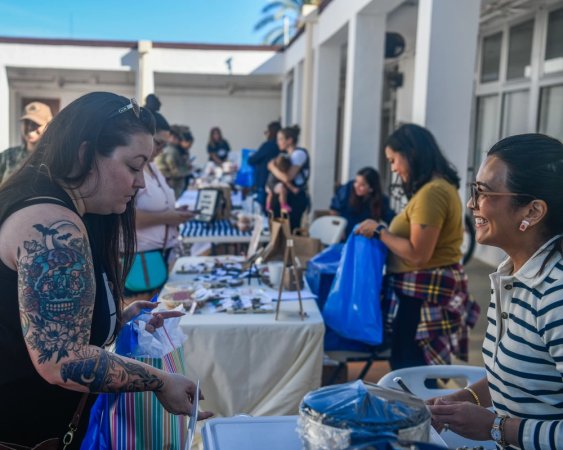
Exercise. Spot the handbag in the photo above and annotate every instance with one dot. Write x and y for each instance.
(149, 270)
(54, 443)
(137, 420)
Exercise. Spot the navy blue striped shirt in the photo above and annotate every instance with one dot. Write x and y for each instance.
(523, 347)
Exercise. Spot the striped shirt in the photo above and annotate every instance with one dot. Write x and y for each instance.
(523, 348)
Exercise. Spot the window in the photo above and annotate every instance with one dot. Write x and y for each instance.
(554, 42)
(520, 50)
(490, 59)
(515, 107)
(551, 111)
(488, 114)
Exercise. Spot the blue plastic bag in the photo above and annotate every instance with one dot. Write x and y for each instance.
(245, 174)
(353, 306)
(321, 270)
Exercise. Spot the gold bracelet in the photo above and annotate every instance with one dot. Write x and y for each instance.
(473, 394)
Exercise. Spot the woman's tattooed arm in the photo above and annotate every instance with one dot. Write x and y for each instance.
(57, 292)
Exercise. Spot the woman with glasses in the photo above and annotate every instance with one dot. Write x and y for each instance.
(426, 300)
(66, 219)
(517, 205)
(156, 218)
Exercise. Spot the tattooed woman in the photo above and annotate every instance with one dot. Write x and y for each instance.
(65, 216)
(426, 298)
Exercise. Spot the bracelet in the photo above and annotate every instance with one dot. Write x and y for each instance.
(502, 442)
(473, 394)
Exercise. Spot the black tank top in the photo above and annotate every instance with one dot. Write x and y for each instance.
(31, 409)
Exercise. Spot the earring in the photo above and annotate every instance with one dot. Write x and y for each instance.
(524, 225)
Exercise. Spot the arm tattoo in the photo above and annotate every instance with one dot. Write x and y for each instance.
(103, 371)
(56, 290)
(57, 294)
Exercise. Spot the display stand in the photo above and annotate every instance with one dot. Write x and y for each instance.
(289, 268)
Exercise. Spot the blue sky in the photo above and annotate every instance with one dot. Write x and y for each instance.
(203, 21)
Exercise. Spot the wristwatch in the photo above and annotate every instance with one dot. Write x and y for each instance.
(497, 431)
(379, 229)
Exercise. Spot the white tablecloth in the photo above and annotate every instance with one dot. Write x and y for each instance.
(251, 363)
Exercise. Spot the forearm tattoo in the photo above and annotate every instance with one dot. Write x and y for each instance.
(57, 293)
(103, 371)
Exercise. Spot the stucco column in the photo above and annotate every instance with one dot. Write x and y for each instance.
(297, 94)
(446, 46)
(324, 125)
(308, 73)
(364, 81)
(145, 71)
(4, 109)
(284, 105)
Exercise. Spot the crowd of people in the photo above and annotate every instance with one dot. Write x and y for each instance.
(96, 184)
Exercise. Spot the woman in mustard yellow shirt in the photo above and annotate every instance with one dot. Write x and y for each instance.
(426, 302)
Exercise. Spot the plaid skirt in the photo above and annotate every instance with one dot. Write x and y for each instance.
(446, 314)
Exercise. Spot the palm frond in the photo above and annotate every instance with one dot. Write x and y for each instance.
(264, 21)
(274, 35)
(272, 5)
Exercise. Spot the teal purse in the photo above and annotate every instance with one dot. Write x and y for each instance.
(148, 272)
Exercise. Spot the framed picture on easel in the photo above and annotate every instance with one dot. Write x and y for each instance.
(206, 205)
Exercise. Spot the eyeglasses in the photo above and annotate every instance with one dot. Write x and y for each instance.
(477, 192)
(133, 104)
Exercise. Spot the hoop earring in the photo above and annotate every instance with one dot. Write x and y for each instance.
(524, 225)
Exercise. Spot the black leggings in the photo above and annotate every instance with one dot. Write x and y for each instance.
(405, 351)
(299, 203)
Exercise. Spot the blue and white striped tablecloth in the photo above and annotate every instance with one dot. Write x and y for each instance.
(217, 228)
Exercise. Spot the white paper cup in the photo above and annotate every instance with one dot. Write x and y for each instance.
(275, 269)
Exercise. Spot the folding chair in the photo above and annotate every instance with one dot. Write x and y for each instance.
(328, 229)
(415, 378)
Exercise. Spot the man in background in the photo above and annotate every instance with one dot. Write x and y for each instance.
(259, 160)
(35, 118)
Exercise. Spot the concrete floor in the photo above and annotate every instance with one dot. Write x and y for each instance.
(479, 287)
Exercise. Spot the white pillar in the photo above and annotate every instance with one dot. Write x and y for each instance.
(324, 125)
(297, 94)
(446, 46)
(307, 100)
(364, 82)
(4, 110)
(284, 105)
(145, 71)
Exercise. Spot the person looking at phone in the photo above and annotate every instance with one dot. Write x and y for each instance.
(157, 219)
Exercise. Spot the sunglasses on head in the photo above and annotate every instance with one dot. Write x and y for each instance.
(132, 105)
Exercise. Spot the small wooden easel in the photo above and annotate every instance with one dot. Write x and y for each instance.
(289, 267)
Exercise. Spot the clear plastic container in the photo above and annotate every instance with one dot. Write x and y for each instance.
(353, 414)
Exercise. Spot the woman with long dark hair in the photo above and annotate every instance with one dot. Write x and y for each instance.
(66, 219)
(517, 205)
(361, 199)
(426, 299)
(217, 147)
(297, 175)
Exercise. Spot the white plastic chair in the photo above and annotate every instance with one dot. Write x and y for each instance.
(328, 229)
(415, 377)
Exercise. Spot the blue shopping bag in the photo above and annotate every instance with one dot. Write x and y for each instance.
(245, 174)
(353, 307)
